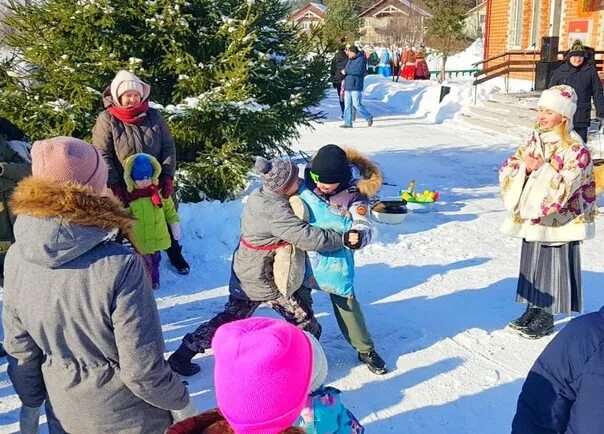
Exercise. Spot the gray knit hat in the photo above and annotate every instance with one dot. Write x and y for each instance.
(278, 175)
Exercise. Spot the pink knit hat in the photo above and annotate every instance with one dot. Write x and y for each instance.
(67, 159)
(262, 374)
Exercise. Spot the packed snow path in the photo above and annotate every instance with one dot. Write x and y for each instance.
(437, 290)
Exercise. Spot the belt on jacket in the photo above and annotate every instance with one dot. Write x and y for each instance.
(268, 247)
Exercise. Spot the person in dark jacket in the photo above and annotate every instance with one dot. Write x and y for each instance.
(564, 390)
(129, 126)
(338, 63)
(583, 77)
(354, 81)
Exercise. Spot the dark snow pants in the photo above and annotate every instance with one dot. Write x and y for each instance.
(296, 310)
(352, 324)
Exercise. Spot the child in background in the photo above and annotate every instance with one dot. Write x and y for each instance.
(268, 223)
(324, 412)
(345, 179)
(152, 211)
(548, 186)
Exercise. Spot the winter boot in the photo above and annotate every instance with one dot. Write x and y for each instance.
(180, 361)
(541, 325)
(374, 362)
(524, 320)
(177, 260)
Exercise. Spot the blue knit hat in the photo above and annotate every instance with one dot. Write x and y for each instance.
(142, 168)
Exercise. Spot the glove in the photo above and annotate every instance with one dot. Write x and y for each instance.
(349, 244)
(189, 411)
(166, 185)
(175, 228)
(119, 191)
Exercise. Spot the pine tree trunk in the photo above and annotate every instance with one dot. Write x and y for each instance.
(441, 77)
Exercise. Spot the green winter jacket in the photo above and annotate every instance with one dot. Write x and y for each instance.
(150, 229)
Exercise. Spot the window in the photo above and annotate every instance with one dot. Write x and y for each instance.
(536, 24)
(515, 35)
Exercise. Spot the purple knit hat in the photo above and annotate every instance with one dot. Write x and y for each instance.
(278, 175)
(67, 159)
(262, 374)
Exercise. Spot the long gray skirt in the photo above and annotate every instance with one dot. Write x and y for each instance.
(550, 277)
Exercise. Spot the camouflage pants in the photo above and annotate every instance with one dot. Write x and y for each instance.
(296, 310)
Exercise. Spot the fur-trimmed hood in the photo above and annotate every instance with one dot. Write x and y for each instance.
(57, 223)
(371, 179)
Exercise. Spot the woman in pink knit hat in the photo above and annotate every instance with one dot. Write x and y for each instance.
(81, 325)
(273, 361)
(129, 126)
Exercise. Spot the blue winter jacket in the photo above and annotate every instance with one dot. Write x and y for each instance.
(324, 413)
(564, 390)
(355, 73)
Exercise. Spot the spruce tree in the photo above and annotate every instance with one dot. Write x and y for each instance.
(233, 78)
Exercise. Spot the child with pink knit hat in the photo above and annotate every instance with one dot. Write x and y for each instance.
(263, 374)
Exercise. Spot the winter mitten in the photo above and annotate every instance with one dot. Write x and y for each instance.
(166, 185)
(175, 228)
(347, 242)
(189, 411)
(119, 191)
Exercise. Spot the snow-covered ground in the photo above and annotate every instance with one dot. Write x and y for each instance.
(437, 290)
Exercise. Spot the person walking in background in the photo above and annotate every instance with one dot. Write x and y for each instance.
(564, 390)
(88, 339)
(129, 126)
(408, 63)
(354, 82)
(583, 77)
(338, 63)
(549, 187)
(422, 72)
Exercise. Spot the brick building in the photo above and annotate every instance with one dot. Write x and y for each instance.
(519, 25)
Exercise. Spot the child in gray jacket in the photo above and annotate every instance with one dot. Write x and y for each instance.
(268, 223)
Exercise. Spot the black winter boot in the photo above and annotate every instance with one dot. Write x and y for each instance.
(177, 260)
(374, 362)
(541, 325)
(524, 320)
(180, 361)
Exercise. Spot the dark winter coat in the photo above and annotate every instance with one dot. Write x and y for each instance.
(338, 63)
(212, 422)
(117, 141)
(80, 320)
(13, 168)
(586, 83)
(356, 69)
(268, 220)
(564, 390)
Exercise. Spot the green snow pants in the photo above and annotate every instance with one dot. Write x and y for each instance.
(352, 323)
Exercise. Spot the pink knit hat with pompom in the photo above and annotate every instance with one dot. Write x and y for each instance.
(262, 375)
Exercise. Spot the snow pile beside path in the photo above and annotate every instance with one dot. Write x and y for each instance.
(460, 61)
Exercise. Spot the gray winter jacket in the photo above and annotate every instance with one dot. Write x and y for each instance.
(81, 324)
(117, 141)
(266, 221)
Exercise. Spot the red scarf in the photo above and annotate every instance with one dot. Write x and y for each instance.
(131, 115)
(152, 191)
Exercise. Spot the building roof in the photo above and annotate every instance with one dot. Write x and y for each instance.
(316, 9)
(381, 4)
